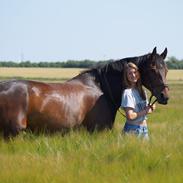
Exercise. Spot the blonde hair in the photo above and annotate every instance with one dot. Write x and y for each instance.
(128, 84)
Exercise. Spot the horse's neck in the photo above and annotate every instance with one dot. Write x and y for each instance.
(112, 74)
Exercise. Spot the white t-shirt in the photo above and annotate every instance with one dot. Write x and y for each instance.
(131, 98)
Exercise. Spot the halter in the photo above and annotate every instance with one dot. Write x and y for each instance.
(151, 104)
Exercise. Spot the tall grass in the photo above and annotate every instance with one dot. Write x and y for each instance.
(101, 157)
(107, 156)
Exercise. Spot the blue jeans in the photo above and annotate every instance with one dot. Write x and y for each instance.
(139, 131)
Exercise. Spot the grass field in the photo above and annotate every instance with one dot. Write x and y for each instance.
(61, 73)
(104, 157)
(50, 74)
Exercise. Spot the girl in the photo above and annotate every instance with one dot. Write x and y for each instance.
(134, 103)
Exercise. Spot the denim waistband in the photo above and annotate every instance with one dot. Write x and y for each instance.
(129, 127)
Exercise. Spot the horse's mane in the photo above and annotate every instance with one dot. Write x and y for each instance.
(117, 64)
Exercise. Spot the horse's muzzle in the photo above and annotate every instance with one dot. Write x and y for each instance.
(163, 97)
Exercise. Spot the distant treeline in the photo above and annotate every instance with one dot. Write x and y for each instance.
(172, 63)
(61, 64)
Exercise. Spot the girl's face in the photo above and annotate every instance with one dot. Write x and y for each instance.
(132, 75)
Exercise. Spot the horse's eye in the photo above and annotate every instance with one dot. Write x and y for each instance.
(153, 66)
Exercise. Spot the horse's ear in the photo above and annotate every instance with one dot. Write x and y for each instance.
(164, 53)
(154, 51)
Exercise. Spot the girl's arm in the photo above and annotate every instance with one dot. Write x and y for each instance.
(131, 114)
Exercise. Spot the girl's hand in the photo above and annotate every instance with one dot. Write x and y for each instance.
(153, 107)
(150, 108)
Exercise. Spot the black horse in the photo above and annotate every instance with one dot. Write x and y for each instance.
(91, 99)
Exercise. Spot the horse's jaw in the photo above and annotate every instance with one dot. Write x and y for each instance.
(163, 102)
(162, 99)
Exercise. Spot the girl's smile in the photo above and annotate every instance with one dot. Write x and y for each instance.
(132, 75)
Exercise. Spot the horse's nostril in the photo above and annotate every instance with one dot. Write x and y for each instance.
(164, 98)
(162, 95)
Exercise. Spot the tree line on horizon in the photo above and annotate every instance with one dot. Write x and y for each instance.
(172, 63)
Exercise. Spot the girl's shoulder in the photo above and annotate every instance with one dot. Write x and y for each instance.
(127, 91)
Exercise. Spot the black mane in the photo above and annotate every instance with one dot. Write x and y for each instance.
(109, 76)
(117, 65)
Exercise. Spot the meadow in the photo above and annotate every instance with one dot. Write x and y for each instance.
(45, 74)
(101, 157)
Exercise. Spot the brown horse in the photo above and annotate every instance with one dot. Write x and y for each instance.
(91, 99)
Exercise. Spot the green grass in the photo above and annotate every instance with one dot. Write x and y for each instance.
(104, 157)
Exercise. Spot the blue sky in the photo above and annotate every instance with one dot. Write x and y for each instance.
(59, 30)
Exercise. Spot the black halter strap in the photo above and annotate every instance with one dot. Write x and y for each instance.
(150, 104)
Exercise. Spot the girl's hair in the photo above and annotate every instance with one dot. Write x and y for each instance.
(128, 84)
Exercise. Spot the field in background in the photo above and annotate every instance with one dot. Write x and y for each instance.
(175, 76)
(39, 73)
(61, 73)
(103, 157)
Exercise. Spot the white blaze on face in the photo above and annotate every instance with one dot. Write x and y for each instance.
(36, 91)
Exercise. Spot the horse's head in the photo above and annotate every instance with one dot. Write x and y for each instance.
(153, 74)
